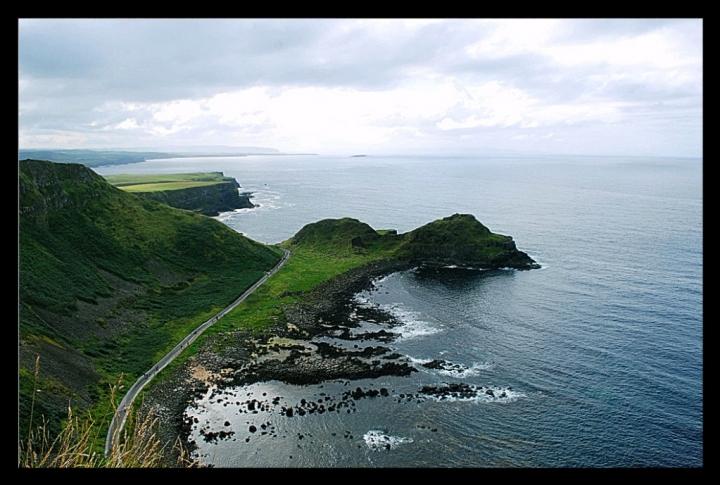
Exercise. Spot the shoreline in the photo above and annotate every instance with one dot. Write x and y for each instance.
(243, 360)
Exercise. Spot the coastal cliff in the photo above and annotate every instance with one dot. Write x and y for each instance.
(207, 193)
(208, 200)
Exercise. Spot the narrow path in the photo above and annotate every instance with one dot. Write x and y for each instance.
(118, 420)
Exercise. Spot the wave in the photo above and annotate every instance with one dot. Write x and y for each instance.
(378, 440)
(412, 325)
(468, 393)
(451, 369)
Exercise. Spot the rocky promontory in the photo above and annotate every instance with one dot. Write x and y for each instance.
(206, 193)
(208, 200)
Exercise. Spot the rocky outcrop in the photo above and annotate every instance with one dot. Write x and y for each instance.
(209, 200)
(46, 187)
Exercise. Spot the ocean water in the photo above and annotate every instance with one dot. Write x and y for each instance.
(595, 360)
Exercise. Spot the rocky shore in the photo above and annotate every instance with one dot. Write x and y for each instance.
(285, 352)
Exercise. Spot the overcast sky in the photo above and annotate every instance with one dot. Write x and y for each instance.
(605, 87)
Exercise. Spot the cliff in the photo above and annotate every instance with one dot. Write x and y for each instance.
(209, 200)
(207, 193)
(46, 187)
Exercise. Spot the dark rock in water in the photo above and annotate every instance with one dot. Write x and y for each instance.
(455, 390)
(434, 364)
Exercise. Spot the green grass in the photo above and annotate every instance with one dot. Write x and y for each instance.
(78, 442)
(75, 226)
(161, 186)
(157, 182)
(319, 254)
(305, 269)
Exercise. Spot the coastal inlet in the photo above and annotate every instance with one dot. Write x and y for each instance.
(356, 390)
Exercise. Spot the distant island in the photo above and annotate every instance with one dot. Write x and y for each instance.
(208, 193)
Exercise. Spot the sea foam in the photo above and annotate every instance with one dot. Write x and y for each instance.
(379, 441)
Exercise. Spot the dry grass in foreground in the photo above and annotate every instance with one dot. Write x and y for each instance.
(75, 446)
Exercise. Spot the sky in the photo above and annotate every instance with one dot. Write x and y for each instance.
(628, 87)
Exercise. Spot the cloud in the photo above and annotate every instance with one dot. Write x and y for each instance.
(312, 84)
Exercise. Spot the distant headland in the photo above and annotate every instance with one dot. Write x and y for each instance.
(97, 158)
(208, 193)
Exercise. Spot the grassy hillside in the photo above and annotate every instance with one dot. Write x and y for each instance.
(110, 281)
(331, 247)
(459, 239)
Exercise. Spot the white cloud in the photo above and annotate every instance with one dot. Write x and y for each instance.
(128, 124)
(312, 84)
(654, 50)
(510, 37)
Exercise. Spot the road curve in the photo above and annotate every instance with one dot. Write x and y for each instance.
(118, 420)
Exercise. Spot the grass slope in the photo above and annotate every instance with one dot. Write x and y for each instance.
(110, 281)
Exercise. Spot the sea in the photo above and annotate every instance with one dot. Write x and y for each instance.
(594, 360)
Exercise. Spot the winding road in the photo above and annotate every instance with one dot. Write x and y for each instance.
(118, 420)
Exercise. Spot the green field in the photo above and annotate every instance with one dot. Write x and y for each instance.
(158, 182)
